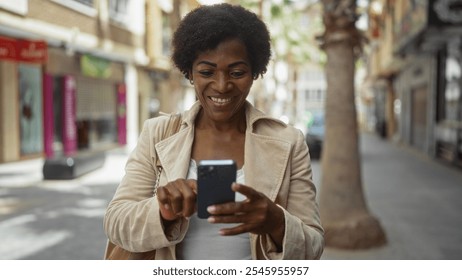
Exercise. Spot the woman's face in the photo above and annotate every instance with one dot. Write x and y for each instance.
(222, 80)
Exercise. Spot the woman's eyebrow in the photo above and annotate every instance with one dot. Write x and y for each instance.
(207, 63)
(215, 65)
(238, 63)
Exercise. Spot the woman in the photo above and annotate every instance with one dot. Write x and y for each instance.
(221, 49)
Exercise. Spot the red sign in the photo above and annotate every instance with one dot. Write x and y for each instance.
(7, 48)
(23, 50)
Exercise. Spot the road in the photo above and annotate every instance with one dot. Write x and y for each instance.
(58, 220)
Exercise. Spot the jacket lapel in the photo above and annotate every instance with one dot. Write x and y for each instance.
(265, 157)
(175, 152)
(265, 163)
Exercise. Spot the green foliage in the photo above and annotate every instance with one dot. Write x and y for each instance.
(276, 11)
(293, 29)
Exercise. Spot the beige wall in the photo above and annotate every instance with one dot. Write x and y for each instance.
(9, 117)
(62, 16)
(66, 17)
(145, 87)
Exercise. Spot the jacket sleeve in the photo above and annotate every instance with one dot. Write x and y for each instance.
(304, 235)
(132, 219)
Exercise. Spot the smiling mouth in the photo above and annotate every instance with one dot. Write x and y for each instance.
(220, 101)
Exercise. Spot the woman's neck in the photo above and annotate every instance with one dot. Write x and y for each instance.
(237, 123)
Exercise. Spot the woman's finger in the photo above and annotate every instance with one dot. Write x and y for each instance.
(164, 204)
(249, 192)
(189, 200)
(242, 228)
(175, 198)
(162, 197)
(179, 196)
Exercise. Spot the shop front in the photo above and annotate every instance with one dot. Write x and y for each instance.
(85, 101)
(88, 101)
(21, 94)
(445, 19)
(449, 116)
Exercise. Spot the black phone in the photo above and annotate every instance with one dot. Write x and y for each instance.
(214, 180)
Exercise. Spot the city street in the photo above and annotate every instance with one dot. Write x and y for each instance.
(56, 219)
(415, 198)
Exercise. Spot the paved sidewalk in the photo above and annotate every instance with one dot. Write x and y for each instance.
(416, 199)
(29, 173)
(22, 173)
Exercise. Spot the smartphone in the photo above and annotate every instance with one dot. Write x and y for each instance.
(214, 180)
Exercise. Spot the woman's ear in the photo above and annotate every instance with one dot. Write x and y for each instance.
(190, 77)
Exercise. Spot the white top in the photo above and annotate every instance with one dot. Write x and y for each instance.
(203, 241)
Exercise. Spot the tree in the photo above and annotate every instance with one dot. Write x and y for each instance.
(292, 47)
(344, 213)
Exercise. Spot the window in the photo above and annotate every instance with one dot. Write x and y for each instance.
(89, 3)
(86, 7)
(166, 33)
(30, 110)
(452, 82)
(118, 10)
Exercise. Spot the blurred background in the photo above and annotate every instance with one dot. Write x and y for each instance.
(79, 77)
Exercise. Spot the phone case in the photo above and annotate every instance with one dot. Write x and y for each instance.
(214, 179)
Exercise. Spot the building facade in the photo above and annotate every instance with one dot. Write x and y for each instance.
(416, 67)
(82, 75)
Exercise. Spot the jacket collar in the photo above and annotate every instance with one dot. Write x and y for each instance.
(252, 115)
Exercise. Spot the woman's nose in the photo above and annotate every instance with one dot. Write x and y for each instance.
(223, 83)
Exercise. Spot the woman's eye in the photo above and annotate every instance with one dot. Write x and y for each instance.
(237, 74)
(206, 73)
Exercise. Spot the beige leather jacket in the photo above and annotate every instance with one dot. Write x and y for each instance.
(277, 164)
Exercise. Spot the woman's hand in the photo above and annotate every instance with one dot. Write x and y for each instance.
(177, 199)
(257, 214)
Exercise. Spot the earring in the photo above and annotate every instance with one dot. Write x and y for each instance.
(191, 82)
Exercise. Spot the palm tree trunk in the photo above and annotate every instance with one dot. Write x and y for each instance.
(346, 219)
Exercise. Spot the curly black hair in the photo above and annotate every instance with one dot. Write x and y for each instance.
(205, 27)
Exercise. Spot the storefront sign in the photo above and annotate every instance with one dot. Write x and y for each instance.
(69, 119)
(7, 48)
(95, 67)
(23, 50)
(32, 51)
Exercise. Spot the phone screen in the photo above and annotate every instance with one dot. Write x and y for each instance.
(214, 179)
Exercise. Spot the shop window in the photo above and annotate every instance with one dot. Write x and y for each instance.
(452, 93)
(451, 147)
(30, 110)
(96, 113)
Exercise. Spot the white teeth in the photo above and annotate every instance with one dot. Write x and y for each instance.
(220, 100)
